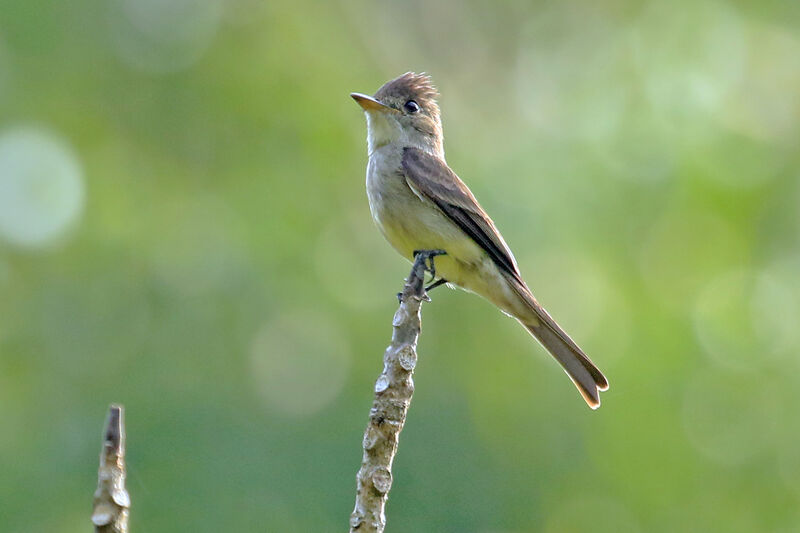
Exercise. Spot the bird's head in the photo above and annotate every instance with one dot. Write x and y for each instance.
(404, 110)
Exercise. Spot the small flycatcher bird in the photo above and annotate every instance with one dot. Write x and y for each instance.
(420, 204)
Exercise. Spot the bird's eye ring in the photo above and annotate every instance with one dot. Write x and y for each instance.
(411, 106)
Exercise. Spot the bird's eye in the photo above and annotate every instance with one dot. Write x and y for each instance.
(411, 106)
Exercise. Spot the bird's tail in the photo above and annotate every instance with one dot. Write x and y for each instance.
(580, 369)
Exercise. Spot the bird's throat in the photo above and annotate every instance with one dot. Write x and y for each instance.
(381, 130)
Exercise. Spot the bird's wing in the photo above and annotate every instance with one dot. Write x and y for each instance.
(430, 177)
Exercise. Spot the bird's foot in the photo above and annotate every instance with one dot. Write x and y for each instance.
(427, 257)
(423, 262)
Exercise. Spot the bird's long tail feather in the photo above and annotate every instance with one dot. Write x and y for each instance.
(584, 374)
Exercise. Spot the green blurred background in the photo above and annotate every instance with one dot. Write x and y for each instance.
(184, 230)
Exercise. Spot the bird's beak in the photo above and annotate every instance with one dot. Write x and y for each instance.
(368, 103)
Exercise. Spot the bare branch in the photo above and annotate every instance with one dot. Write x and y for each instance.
(111, 500)
(393, 391)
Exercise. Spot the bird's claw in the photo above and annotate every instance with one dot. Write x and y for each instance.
(428, 256)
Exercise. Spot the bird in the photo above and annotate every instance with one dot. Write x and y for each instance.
(420, 204)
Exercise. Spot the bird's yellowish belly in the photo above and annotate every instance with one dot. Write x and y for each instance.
(410, 223)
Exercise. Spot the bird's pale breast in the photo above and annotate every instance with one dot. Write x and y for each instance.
(411, 223)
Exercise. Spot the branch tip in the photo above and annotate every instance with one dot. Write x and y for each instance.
(111, 499)
(114, 434)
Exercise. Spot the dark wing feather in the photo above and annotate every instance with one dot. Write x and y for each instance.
(431, 177)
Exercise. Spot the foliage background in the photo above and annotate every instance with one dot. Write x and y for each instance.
(184, 230)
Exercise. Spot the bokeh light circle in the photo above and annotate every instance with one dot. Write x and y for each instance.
(775, 312)
(299, 362)
(159, 37)
(727, 419)
(684, 249)
(766, 106)
(746, 320)
(690, 59)
(42, 191)
(567, 73)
